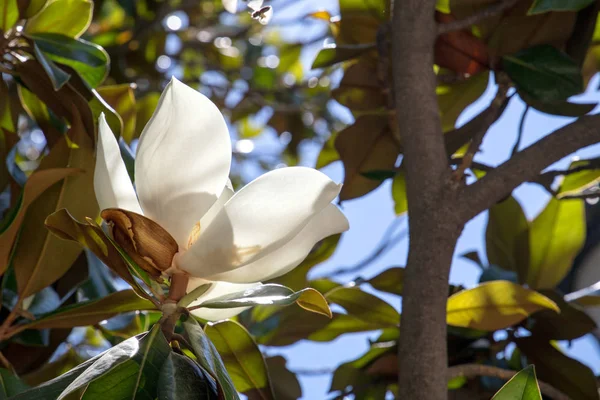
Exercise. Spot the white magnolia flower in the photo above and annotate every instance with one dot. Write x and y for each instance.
(234, 240)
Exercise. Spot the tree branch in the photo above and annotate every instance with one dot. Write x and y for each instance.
(487, 12)
(432, 199)
(474, 370)
(528, 163)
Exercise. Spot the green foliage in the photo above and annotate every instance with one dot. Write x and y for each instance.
(522, 386)
(544, 73)
(542, 6)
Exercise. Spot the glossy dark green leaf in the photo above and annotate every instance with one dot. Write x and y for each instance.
(543, 6)
(364, 306)
(506, 236)
(9, 14)
(563, 108)
(56, 75)
(242, 357)
(566, 374)
(209, 358)
(522, 386)
(10, 385)
(137, 377)
(272, 294)
(545, 73)
(391, 280)
(333, 55)
(379, 174)
(182, 379)
(104, 362)
(89, 60)
(571, 323)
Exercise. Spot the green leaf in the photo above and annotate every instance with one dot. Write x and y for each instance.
(10, 385)
(364, 306)
(454, 97)
(242, 358)
(495, 305)
(571, 323)
(56, 75)
(271, 294)
(506, 236)
(285, 383)
(563, 108)
(522, 386)
(65, 17)
(137, 377)
(89, 60)
(85, 372)
(9, 14)
(91, 312)
(577, 182)
(182, 379)
(543, 6)
(556, 236)
(545, 73)
(36, 184)
(391, 280)
(34, 7)
(379, 174)
(328, 153)
(122, 99)
(399, 193)
(566, 374)
(333, 55)
(209, 358)
(340, 324)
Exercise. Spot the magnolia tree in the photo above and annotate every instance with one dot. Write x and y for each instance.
(162, 275)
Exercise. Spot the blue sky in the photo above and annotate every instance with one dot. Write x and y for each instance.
(370, 216)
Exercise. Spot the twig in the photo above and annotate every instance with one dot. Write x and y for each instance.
(487, 12)
(4, 361)
(499, 103)
(520, 134)
(528, 163)
(474, 370)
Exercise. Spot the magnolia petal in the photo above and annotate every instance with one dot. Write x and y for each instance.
(328, 222)
(210, 214)
(183, 160)
(262, 216)
(112, 185)
(217, 289)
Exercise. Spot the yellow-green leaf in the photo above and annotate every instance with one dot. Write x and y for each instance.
(556, 236)
(399, 193)
(242, 357)
(121, 98)
(9, 14)
(364, 306)
(506, 236)
(577, 182)
(495, 305)
(312, 300)
(454, 97)
(67, 17)
(328, 153)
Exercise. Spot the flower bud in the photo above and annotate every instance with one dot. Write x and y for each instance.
(145, 241)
